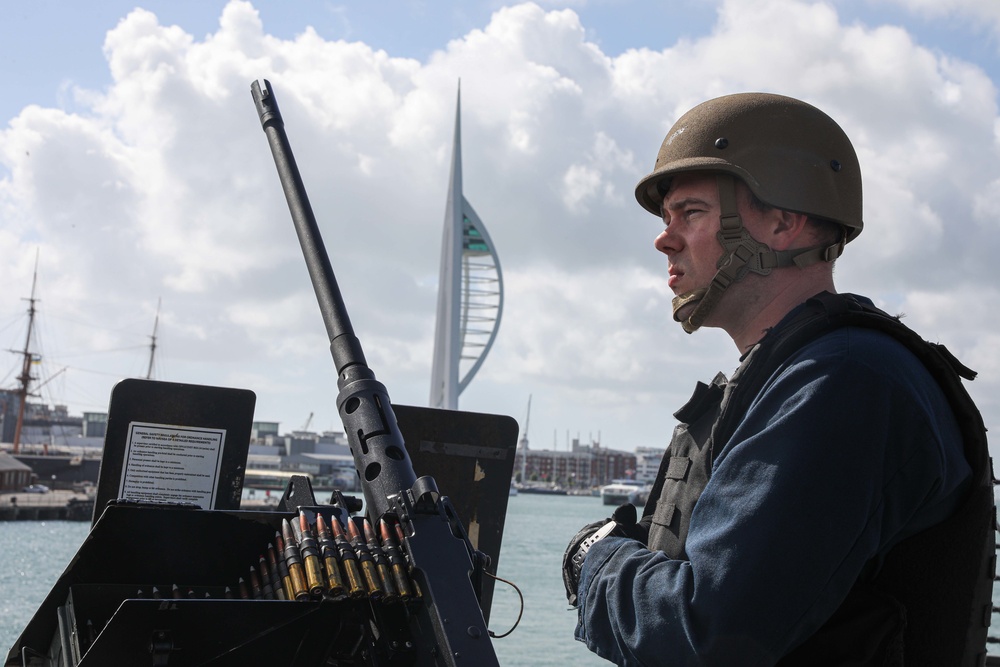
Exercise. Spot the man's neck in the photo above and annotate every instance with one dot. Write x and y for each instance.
(771, 309)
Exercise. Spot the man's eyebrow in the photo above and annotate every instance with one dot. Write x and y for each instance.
(687, 201)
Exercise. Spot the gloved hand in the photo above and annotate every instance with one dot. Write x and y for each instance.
(620, 524)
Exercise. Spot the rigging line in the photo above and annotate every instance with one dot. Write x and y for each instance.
(124, 327)
(17, 320)
(105, 351)
(51, 378)
(86, 397)
(90, 370)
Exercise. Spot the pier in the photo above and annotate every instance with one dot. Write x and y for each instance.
(56, 505)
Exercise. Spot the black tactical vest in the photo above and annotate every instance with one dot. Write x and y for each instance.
(930, 602)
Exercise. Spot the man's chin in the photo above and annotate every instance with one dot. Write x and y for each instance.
(684, 304)
(684, 312)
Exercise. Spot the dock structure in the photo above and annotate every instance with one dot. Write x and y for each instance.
(56, 505)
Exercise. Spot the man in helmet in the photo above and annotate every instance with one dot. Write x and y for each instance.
(830, 504)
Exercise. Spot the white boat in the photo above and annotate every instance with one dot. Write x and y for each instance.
(621, 491)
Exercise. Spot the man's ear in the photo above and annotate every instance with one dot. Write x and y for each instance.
(786, 229)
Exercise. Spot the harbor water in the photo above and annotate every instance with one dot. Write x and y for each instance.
(537, 530)
(536, 533)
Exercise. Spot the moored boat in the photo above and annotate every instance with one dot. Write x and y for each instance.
(621, 491)
(544, 489)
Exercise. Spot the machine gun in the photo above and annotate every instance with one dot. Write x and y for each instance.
(154, 583)
(443, 562)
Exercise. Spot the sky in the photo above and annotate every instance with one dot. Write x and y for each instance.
(133, 169)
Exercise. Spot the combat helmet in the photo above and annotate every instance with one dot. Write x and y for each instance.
(790, 154)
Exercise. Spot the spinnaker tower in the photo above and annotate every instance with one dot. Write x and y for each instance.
(470, 290)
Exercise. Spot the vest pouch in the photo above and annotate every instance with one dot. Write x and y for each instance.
(684, 471)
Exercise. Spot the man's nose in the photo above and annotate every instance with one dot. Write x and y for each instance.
(666, 242)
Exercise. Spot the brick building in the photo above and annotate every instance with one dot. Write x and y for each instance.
(581, 466)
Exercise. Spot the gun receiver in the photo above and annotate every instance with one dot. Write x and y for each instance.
(441, 554)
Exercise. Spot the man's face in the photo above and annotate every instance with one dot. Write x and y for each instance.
(691, 221)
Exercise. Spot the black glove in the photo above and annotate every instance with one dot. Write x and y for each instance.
(620, 524)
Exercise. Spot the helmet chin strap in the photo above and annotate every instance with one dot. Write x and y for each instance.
(741, 254)
(693, 322)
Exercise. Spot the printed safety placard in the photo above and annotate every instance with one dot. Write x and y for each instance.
(172, 464)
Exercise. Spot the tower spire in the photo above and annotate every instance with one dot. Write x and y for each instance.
(470, 289)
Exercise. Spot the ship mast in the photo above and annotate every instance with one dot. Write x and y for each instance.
(25, 377)
(152, 342)
(523, 444)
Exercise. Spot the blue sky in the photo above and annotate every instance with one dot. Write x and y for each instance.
(50, 42)
(128, 148)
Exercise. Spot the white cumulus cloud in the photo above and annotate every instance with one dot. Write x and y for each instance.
(161, 186)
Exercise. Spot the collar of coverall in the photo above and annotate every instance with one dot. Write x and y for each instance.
(742, 254)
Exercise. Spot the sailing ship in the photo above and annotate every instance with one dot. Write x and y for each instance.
(60, 448)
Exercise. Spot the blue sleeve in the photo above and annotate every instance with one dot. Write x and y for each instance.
(849, 448)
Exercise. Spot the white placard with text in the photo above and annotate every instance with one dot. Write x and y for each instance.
(172, 464)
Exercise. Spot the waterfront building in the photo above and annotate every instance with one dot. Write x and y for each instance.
(325, 457)
(579, 467)
(261, 430)
(14, 475)
(50, 425)
(647, 463)
(95, 424)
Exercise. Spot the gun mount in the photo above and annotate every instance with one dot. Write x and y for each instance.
(154, 581)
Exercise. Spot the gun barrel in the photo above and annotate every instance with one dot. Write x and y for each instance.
(380, 454)
(331, 302)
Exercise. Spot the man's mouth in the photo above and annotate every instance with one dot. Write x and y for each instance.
(674, 277)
